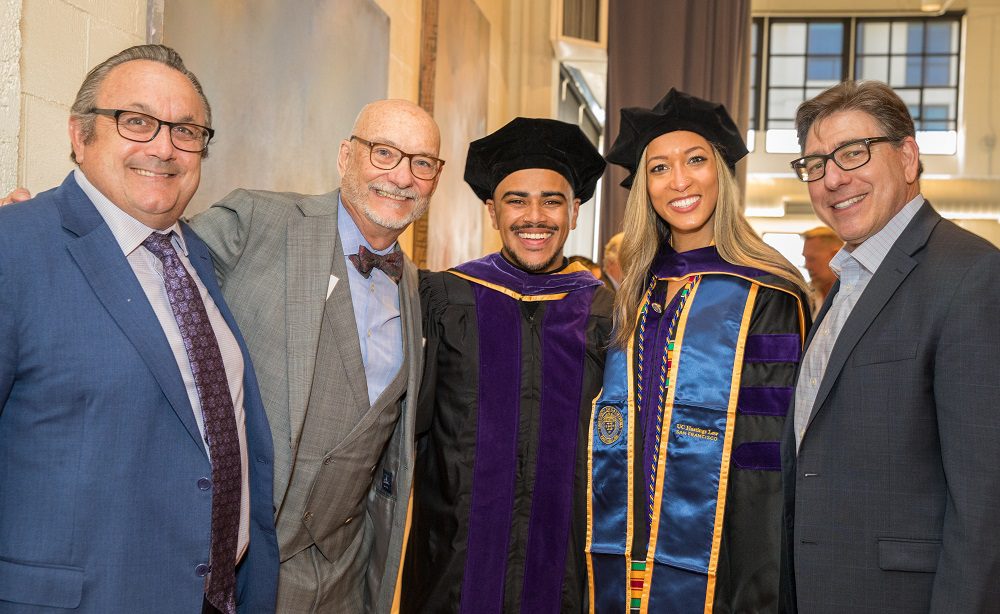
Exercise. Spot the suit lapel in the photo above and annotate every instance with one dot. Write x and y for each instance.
(313, 255)
(106, 269)
(898, 264)
(413, 340)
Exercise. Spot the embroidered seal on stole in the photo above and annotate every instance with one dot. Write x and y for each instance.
(609, 424)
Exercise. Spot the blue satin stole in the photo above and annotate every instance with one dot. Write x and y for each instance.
(693, 458)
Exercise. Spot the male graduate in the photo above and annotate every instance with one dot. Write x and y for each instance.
(515, 354)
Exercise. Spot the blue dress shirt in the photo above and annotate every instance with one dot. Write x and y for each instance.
(376, 310)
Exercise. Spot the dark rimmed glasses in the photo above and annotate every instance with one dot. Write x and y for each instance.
(387, 157)
(143, 128)
(848, 157)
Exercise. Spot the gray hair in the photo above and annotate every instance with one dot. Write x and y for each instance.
(871, 97)
(86, 97)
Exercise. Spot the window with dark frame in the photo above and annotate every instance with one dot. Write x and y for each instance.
(756, 41)
(793, 59)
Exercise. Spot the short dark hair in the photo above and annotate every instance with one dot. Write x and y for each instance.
(86, 97)
(872, 97)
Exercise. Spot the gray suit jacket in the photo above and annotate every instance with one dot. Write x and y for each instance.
(275, 254)
(891, 504)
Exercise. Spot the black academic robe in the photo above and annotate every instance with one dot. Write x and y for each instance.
(447, 443)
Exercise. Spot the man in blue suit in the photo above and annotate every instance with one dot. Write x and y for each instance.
(135, 455)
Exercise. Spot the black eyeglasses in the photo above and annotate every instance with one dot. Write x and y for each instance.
(143, 128)
(387, 157)
(848, 157)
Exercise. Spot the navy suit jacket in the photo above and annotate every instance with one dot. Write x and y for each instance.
(100, 455)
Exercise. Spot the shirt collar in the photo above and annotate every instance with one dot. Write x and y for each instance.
(350, 235)
(128, 231)
(875, 248)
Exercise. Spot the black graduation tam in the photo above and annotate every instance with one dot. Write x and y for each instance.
(677, 111)
(534, 143)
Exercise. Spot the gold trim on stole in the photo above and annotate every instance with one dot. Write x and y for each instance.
(573, 267)
(590, 503)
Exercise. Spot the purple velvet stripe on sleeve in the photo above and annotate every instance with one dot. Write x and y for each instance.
(773, 348)
(564, 351)
(758, 456)
(491, 506)
(764, 401)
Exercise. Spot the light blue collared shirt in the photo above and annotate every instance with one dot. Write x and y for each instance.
(855, 269)
(376, 310)
(129, 234)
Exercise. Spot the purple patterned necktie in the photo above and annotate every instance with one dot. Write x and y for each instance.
(366, 260)
(220, 420)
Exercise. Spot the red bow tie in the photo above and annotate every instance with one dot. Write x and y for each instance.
(391, 263)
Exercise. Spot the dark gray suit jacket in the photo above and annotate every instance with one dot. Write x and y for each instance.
(892, 503)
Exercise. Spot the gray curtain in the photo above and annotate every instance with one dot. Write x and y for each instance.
(701, 47)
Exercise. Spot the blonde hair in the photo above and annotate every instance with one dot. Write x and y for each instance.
(645, 232)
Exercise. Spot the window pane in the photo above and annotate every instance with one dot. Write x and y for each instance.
(899, 36)
(940, 104)
(873, 37)
(937, 142)
(826, 38)
(939, 95)
(823, 71)
(876, 67)
(782, 105)
(941, 70)
(912, 100)
(897, 71)
(788, 38)
(782, 141)
(942, 37)
(915, 37)
(787, 71)
(935, 118)
(914, 71)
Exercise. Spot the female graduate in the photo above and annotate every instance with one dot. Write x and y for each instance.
(685, 497)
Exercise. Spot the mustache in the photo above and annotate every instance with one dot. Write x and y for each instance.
(534, 226)
(391, 189)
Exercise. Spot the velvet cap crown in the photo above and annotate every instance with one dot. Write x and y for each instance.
(534, 143)
(676, 111)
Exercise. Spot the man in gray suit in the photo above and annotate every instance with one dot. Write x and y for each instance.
(312, 281)
(891, 477)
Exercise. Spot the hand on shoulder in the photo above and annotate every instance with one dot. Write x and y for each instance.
(17, 195)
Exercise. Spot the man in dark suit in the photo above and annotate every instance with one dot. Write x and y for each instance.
(892, 483)
(135, 455)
